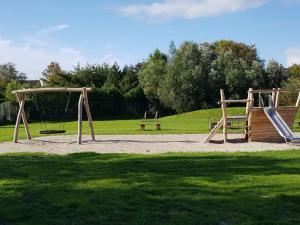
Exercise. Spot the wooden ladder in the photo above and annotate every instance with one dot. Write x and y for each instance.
(214, 130)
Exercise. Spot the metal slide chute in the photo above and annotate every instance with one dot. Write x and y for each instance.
(280, 125)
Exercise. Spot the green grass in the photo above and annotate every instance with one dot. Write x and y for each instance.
(192, 122)
(170, 189)
(188, 123)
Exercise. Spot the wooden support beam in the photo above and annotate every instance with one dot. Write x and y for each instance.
(265, 91)
(274, 95)
(79, 137)
(45, 90)
(235, 101)
(223, 105)
(298, 100)
(214, 130)
(88, 113)
(249, 113)
(16, 131)
(277, 97)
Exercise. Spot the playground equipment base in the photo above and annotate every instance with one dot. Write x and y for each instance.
(142, 144)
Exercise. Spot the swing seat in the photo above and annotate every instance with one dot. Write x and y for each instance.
(52, 131)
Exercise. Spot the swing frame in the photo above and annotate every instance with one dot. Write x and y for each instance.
(83, 100)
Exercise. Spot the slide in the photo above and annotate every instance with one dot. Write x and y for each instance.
(280, 125)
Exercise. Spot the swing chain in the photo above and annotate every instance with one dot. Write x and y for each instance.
(62, 125)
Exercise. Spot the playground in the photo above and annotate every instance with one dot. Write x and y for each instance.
(265, 126)
(157, 176)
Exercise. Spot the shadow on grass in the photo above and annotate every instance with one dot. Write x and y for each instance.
(88, 188)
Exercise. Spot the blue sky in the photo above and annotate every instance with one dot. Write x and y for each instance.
(35, 32)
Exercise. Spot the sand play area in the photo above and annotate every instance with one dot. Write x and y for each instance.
(143, 144)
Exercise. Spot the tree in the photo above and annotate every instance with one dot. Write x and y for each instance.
(294, 70)
(248, 53)
(11, 86)
(8, 73)
(233, 74)
(130, 78)
(53, 75)
(276, 74)
(151, 76)
(186, 86)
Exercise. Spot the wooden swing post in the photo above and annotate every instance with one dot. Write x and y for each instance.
(223, 106)
(83, 100)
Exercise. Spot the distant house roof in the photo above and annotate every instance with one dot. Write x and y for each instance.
(33, 82)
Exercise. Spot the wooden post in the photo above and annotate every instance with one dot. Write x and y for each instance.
(16, 131)
(247, 115)
(88, 112)
(274, 96)
(79, 138)
(298, 100)
(223, 105)
(23, 114)
(277, 98)
(250, 106)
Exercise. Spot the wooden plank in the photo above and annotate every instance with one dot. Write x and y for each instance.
(88, 113)
(236, 118)
(265, 91)
(235, 101)
(79, 138)
(44, 90)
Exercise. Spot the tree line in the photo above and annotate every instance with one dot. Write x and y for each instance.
(186, 78)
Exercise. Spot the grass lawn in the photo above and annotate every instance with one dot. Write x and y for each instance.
(192, 122)
(184, 189)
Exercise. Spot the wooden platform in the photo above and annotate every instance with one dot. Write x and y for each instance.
(262, 129)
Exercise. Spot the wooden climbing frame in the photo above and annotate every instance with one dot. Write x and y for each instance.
(258, 127)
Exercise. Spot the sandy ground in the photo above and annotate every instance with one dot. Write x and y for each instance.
(144, 144)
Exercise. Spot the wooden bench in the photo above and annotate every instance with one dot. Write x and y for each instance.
(143, 125)
(150, 122)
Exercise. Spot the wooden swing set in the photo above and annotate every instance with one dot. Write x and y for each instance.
(83, 100)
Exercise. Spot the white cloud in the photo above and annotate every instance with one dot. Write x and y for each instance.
(36, 51)
(33, 60)
(4, 42)
(49, 30)
(292, 56)
(109, 46)
(187, 9)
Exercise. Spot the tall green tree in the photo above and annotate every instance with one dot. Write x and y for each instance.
(248, 53)
(276, 74)
(151, 76)
(8, 73)
(294, 70)
(53, 75)
(186, 85)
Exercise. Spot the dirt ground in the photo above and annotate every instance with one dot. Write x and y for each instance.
(141, 144)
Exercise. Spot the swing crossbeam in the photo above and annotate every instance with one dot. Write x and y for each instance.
(44, 90)
(83, 101)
